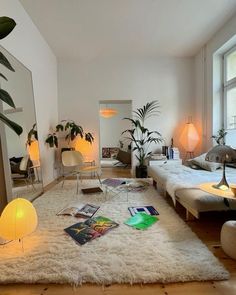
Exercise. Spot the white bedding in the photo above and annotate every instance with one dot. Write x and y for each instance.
(180, 177)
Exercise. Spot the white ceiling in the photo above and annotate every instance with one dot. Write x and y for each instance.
(86, 29)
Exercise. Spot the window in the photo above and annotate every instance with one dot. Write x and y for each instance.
(230, 89)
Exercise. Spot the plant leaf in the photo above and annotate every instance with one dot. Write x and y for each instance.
(36, 134)
(4, 61)
(55, 141)
(14, 126)
(1, 75)
(67, 125)
(7, 24)
(89, 137)
(59, 127)
(5, 96)
(148, 110)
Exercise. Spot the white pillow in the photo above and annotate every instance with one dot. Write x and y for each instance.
(206, 165)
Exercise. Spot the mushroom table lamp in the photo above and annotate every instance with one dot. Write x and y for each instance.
(18, 219)
(222, 154)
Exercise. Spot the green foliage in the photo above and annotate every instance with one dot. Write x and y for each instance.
(52, 140)
(220, 136)
(32, 135)
(140, 136)
(6, 26)
(73, 130)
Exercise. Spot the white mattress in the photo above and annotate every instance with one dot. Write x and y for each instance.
(182, 182)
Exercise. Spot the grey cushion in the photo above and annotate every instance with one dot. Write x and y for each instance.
(206, 165)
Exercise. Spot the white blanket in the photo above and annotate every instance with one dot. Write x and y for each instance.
(180, 177)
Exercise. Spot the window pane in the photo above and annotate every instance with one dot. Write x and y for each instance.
(231, 66)
(231, 108)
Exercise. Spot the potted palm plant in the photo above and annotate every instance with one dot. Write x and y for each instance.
(141, 137)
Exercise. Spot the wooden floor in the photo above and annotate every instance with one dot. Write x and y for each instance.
(207, 229)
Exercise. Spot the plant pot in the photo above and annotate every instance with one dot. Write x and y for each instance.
(141, 171)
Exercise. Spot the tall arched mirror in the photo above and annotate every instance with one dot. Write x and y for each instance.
(23, 154)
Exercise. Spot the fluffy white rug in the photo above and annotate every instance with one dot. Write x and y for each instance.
(167, 252)
(27, 192)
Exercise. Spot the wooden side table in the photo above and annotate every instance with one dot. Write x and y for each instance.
(227, 236)
(208, 187)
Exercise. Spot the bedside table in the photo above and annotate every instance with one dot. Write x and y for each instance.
(154, 162)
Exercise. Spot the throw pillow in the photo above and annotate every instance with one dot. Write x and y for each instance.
(201, 162)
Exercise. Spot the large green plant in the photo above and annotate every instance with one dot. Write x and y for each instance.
(6, 26)
(73, 130)
(140, 136)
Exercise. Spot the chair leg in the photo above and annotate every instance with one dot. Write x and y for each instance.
(32, 183)
(99, 178)
(77, 186)
(26, 182)
(63, 181)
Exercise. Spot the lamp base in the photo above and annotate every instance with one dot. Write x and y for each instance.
(189, 155)
(222, 185)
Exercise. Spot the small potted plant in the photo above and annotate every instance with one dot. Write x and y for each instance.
(141, 137)
(220, 136)
(73, 130)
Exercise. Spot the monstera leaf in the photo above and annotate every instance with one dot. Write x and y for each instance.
(6, 26)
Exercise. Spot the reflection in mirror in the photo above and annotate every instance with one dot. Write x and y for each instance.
(23, 152)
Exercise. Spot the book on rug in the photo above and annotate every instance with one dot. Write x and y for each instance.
(150, 210)
(91, 190)
(79, 210)
(113, 182)
(92, 228)
(141, 221)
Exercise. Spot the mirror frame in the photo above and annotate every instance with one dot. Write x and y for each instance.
(3, 142)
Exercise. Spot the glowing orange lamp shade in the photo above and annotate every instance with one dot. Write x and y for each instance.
(108, 113)
(18, 219)
(189, 137)
(33, 150)
(82, 146)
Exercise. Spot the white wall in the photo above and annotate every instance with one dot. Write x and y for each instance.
(27, 45)
(170, 80)
(208, 91)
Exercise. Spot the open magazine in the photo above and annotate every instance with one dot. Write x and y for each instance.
(79, 210)
(150, 210)
(92, 228)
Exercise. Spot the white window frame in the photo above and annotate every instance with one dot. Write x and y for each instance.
(227, 85)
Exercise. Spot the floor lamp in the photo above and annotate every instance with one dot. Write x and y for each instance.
(189, 138)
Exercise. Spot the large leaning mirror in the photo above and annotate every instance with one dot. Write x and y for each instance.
(23, 155)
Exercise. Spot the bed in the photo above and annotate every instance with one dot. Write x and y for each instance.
(181, 184)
